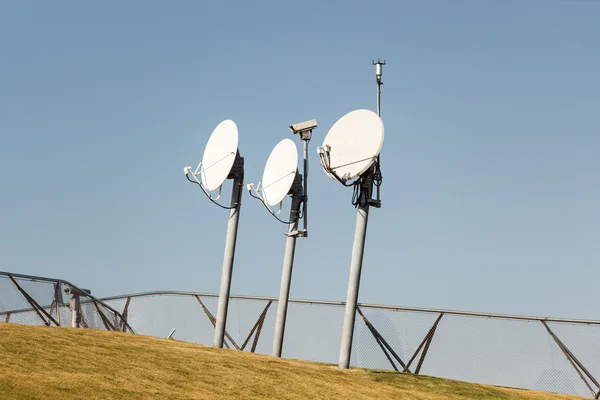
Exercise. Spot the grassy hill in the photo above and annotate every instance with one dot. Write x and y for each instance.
(64, 363)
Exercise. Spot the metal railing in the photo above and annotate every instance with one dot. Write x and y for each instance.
(548, 354)
(36, 300)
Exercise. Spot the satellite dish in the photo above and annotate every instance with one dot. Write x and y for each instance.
(352, 144)
(219, 155)
(280, 172)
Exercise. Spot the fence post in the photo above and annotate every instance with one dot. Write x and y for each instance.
(75, 306)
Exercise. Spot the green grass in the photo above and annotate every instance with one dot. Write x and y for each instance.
(64, 363)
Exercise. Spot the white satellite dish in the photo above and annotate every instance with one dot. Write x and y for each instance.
(352, 144)
(280, 172)
(219, 155)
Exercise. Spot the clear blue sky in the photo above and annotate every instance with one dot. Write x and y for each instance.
(491, 199)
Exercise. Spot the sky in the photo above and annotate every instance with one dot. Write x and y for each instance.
(490, 162)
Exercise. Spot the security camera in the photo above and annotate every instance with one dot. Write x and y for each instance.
(304, 128)
(77, 292)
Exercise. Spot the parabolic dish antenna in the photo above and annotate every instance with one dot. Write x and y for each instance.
(219, 155)
(280, 172)
(354, 142)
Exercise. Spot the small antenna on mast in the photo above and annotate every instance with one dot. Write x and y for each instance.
(378, 73)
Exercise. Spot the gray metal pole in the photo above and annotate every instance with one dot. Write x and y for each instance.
(232, 226)
(358, 249)
(286, 276)
(59, 301)
(75, 307)
(305, 190)
(378, 98)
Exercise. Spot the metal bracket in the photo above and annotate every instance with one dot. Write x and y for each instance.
(237, 171)
(306, 135)
(375, 203)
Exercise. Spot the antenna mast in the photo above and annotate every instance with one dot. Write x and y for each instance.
(377, 175)
(378, 74)
(372, 177)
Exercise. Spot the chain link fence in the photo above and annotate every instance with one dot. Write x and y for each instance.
(553, 355)
(546, 354)
(35, 300)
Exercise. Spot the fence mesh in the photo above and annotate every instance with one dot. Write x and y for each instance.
(552, 355)
(53, 302)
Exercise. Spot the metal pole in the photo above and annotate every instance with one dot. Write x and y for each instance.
(286, 276)
(59, 301)
(74, 304)
(232, 226)
(305, 189)
(379, 98)
(358, 249)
